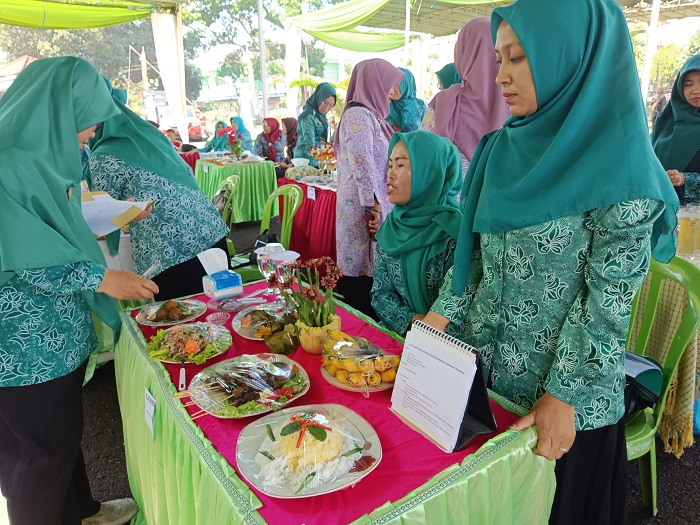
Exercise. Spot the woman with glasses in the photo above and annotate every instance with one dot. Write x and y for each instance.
(312, 126)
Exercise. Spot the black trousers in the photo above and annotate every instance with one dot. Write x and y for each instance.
(356, 292)
(42, 469)
(592, 479)
(184, 278)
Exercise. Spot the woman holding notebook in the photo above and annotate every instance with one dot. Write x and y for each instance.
(562, 209)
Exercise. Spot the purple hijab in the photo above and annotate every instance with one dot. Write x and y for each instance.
(467, 111)
(370, 82)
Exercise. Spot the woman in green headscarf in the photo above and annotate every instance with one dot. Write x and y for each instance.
(416, 243)
(676, 134)
(132, 159)
(52, 280)
(448, 76)
(312, 127)
(405, 110)
(562, 209)
(219, 140)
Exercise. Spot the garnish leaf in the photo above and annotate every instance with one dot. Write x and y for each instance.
(305, 483)
(267, 455)
(270, 433)
(292, 427)
(352, 452)
(319, 433)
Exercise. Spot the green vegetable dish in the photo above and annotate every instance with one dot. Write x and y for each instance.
(193, 343)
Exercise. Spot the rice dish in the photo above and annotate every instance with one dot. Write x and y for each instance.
(300, 459)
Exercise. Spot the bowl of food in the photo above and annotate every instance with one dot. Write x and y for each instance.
(298, 163)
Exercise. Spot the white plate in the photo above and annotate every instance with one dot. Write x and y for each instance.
(197, 309)
(356, 429)
(249, 333)
(352, 388)
(210, 405)
(220, 338)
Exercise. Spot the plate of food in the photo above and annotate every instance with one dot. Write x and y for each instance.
(259, 321)
(191, 343)
(249, 385)
(307, 451)
(168, 313)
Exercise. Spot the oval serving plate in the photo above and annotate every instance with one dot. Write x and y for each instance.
(351, 388)
(194, 310)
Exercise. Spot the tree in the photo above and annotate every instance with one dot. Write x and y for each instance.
(694, 44)
(666, 63)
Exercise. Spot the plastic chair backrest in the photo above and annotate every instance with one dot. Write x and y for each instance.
(231, 185)
(292, 196)
(688, 277)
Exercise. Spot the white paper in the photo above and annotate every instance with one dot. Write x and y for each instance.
(432, 387)
(311, 193)
(150, 405)
(214, 260)
(100, 211)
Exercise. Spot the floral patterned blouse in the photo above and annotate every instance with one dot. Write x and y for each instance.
(548, 307)
(311, 131)
(183, 222)
(388, 290)
(262, 147)
(46, 328)
(692, 188)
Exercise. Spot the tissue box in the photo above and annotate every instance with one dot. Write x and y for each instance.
(222, 285)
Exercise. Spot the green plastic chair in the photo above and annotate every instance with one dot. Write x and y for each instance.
(291, 202)
(229, 184)
(641, 427)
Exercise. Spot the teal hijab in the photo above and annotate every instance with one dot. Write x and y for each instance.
(408, 109)
(420, 229)
(219, 143)
(134, 140)
(240, 124)
(586, 146)
(676, 134)
(322, 92)
(448, 76)
(39, 225)
(117, 94)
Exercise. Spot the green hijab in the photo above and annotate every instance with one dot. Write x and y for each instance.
(676, 134)
(449, 75)
(39, 226)
(136, 141)
(586, 146)
(420, 229)
(408, 109)
(322, 92)
(219, 143)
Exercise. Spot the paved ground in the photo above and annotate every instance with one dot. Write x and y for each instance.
(678, 480)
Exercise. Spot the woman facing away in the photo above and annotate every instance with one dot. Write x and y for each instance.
(132, 159)
(406, 110)
(465, 112)
(52, 280)
(561, 213)
(416, 243)
(361, 146)
(313, 122)
(676, 133)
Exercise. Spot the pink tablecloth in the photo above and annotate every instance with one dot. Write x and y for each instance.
(409, 460)
(313, 233)
(190, 159)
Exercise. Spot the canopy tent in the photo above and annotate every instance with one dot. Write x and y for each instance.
(77, 14)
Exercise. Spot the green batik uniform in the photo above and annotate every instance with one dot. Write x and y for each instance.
(416, 243)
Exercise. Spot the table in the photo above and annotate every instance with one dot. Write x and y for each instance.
(182, 473)
(313, 233)
(258, 181)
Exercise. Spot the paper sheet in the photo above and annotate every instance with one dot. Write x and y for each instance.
(104, 214)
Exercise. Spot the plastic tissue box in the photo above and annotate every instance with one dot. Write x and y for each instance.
(222, 285)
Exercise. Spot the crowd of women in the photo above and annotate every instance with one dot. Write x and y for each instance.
(518, 211)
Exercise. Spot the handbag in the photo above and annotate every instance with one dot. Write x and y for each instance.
(643, 380)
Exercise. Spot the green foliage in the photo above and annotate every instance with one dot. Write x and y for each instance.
(666, 63)
(694, 45)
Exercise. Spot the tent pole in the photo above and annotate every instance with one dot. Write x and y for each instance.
(408, 23)
(263, 57)
(651, 48)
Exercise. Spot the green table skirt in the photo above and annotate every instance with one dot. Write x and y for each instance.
(178, 478)
(258, 181)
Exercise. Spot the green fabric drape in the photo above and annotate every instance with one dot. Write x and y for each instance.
(357, 41)
(39, 225)
(60, 15)
(676, 134)
(420, 229)
(585, 147)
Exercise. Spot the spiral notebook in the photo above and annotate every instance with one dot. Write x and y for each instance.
(440, 390)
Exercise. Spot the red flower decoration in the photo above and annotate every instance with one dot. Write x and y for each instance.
(312, 294)
(334, 271)
(328, 282)
(273, 280)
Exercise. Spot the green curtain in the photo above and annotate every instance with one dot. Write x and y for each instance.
(356, 41)
(60, 15)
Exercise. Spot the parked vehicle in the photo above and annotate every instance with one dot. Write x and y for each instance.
(196, 123)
